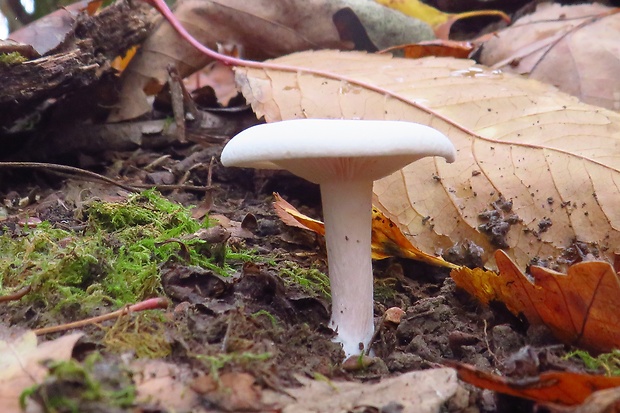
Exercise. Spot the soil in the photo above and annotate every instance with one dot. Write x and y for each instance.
(256, 311)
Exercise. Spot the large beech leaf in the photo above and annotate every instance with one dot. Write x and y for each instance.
(536, 170)
(579, 307)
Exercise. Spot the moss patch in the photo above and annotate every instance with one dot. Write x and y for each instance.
(115, 260)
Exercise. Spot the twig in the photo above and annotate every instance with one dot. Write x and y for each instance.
(70, 170)
(52, 167)
(150, 304)
(16, 295)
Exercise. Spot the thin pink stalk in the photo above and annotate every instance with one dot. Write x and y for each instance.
(150, 304)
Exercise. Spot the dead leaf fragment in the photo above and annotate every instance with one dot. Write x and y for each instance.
(563, 388)
(440, 22)
(414, 392)
(164, 386)
(387, 239)
(581, 39)
(21, 362)
(580, 307)
(231, 392)
(260, 29)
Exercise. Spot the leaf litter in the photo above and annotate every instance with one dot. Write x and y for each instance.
(248, 315)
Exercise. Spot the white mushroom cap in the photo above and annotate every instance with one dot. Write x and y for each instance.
(377, 147)
(344, 157)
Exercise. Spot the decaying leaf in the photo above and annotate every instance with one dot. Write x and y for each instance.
(580, 307)
(231, 392)
(564, 388)
(260, 29)
(414, 392)
(536, 170)
(21, 363)
(438, 48)
(387, 239)
(440, 22)
(164, 386)
(580, 40)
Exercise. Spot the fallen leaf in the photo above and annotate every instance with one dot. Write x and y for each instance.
(563, 388)
(440, 22)
(261, 29)
(581, 39)
(515, 139)
(21, 362)
(164, 386)
(580, 307)
(231, 391)
(387, 239)
(413, 392)
(438, 48)
(51, 31)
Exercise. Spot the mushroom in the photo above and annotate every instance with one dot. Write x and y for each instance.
(344, 157)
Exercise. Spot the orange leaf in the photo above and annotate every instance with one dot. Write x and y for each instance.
(293, 218)
(438, 48)
(387, 239)
(552, 387)
(580, 307)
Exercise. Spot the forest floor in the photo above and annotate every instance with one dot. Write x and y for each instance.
(256, 320)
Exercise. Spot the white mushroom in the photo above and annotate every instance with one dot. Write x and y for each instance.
(344, 157)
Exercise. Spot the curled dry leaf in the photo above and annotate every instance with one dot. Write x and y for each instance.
(387, 239)
(535, 170)
(572, 47)
(580, 307)
(562, 388)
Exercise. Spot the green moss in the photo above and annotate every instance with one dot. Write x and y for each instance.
(72, 386)
(385, 289)
(117, 259)
(217, 362)
(609, 362)
(311, 280)
(143, 334)
(13, 58)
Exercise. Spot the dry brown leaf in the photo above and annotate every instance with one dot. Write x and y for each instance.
(387, 240)
(580, 307)
(262, 29)
(564, 388)
(417, 392)
(535, 170)
(50, 31)
(20, 363)
(572, 47)
(165, 386)
(231, 392)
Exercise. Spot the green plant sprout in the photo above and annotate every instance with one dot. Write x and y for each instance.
(271, 317)
(609, 362)
(13, 58)
(219, 361)
(310, 280)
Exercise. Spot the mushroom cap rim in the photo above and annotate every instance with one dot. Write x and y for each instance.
(262, 146)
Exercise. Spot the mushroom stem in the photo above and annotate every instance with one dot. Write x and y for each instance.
(347, 211)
